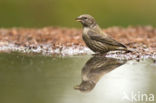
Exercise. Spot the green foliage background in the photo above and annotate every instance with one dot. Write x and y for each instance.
(39, 13)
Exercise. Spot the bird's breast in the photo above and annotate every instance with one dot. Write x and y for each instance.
(85, 30)
(85, 36)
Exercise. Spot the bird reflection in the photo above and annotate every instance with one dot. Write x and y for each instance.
(94, 69)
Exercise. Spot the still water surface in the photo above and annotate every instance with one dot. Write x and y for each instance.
(76, 79)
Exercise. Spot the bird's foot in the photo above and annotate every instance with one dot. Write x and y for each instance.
(100, 54)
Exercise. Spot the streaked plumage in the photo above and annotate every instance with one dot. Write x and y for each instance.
(95, 38)
(94, 69)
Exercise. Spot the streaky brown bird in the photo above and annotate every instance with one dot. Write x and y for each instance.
(97, 40)
(94, 69)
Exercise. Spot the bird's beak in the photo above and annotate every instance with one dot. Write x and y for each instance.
(78, 19)
(77, 87)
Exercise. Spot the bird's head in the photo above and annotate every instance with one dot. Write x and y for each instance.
(86, 20)
(85, 86)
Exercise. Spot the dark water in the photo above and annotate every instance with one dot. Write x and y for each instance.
(77, 79)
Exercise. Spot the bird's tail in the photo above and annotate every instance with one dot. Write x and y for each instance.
(128, 50)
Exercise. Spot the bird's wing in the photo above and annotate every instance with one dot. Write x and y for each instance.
(103, 39)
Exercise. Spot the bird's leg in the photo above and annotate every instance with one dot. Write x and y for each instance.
(100, 54)
(104, 54)
(96, 54)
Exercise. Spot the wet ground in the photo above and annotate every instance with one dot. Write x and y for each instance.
(74, 79)
(68, 41)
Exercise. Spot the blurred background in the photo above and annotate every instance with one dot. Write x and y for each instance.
(40, 13)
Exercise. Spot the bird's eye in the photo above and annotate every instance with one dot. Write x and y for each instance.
(85, 18)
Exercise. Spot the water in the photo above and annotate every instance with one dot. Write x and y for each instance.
(85, 79)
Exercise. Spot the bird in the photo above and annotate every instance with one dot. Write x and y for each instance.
(97, 40)
(94, 69)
